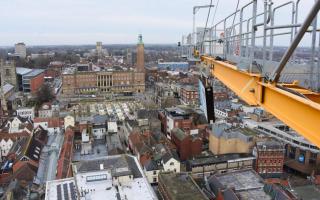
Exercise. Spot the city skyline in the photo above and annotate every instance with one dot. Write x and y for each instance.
(113, 22)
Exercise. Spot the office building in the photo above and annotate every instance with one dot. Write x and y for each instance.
(20, 50)
(29, 80)
(99, 48)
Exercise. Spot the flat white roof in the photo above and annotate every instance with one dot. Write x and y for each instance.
(94, 180)
(22, 70)
(52, 188)
(137, 189)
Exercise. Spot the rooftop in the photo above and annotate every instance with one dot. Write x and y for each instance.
(228, 132)
(189, 87)
(97, 179)
(181, 186)
(208, 160)
(61, 188)
(7, 88)
(108, 163)
(34, 72)
(22, 70)
(270, 144)
(246, 183)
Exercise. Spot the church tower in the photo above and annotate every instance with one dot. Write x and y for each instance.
(8, 71)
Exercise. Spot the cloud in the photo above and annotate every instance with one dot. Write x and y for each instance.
(112, 21)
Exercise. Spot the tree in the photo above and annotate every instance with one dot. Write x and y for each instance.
(44, 94)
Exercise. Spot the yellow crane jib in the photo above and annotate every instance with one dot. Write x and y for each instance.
(296, 106)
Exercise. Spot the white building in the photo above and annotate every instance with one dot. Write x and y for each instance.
(99, 126)
(20, 50)
(69, 121)
(112, 127)
(17, 125)
(117, 177)
(52, 125)
(5, 146)
(45, 111)
(171, 162)
(86, 144)
(26, 112)
(168, 162)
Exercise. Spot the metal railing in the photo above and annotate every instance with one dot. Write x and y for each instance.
(238, 41)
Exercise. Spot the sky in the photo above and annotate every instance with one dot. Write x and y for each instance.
(72, 22)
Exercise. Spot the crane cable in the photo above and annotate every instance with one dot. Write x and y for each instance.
(235, 14)
(214, 14)
(205, 28)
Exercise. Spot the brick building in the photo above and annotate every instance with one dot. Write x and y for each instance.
(82, 79)
(269, 158)
(116, 79)
(301, 156)
(189, 94)
(188, 119)
(140, 55)
(187, 145)
(29, 80)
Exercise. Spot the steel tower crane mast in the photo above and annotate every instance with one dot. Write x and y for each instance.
(295, 105)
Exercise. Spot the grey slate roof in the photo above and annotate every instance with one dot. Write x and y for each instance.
(99, 119)
(110, 163)
(170, 154)
(151, 165)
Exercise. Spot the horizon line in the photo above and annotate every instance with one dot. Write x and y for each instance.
(39, 45)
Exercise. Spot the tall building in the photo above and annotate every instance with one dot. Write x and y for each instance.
(140, 54)
(129, 59)
(20, 50)
(99, 48)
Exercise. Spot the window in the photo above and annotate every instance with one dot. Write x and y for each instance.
(8, 72)
(154, 180)
(154, 172)
(172, 163)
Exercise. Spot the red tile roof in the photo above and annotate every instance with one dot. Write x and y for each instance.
(64, 162)
(13, 136)
(52, 122)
